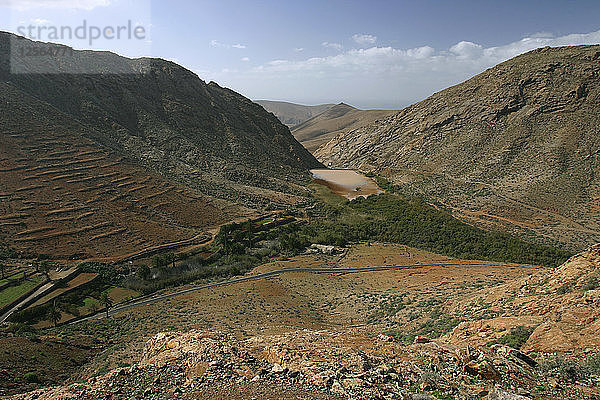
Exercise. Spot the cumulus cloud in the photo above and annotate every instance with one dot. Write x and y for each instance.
(467, 50)
(383, 76)
(335, 46)
(364, 39)
(245, 59)
(22, 5)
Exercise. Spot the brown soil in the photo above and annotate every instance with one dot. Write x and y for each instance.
(64, 196)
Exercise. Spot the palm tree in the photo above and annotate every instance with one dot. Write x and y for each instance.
(171, 258)
(45, 269)
(106, 301)
(54, 314)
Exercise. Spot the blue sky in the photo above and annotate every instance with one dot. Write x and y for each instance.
(372, 54)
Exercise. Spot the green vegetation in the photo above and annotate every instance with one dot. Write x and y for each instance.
(572, 369)
(31, 377)
(564, 289)
(6, 252)
(437, 325)
(106, 302)
(516, 338)
(85, 297)
(12, 293)
(413, 222)
(238, 247)
(54, 314)
(12, 278)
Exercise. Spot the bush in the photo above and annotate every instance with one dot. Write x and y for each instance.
(413, 222)
(31, 377)
(517, 337)
(592, 284)
(572, 369)
(564, 289)
(6, 252)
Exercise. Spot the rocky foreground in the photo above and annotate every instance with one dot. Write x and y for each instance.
(324, 364)
(558, 360)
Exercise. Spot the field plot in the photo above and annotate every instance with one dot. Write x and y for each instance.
(12, 293)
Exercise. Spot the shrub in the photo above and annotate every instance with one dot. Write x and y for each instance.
(31, 377)
(591, 284)
(564, 289)
(572, 369)
(517, 337)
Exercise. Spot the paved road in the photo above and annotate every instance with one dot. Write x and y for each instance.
(324, 270)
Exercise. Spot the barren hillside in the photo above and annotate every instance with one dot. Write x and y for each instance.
(338, 119)
(515, 147)
(136, 154)
(293, 114)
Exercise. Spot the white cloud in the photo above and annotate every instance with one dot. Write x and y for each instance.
(383, 76)
(216, 43)
(364, 39)
(22, 5)
(546, 35)
(467, 50)
(299, 49)
(245, 59)
(39, 21)
(335, 46)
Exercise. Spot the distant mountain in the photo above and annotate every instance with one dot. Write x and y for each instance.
(340, 118)
(292, 114)
(516, 147)
(135, 154)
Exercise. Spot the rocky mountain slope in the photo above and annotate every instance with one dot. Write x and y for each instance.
(98, 148)
(561, 308)
(515, 147)
(292, 114)
(338, 119)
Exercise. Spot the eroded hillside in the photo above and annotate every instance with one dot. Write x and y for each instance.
(338, 119)
(107, 155)
(373, 335)
(515, 147)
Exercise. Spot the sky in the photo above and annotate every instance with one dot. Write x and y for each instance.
(371, 54)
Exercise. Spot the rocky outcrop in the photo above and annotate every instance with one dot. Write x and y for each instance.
(562, 307)
(327, 364)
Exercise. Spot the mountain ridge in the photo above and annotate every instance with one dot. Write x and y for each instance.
(169, 149)
(521, 136)
(338, 119)
(292, 114)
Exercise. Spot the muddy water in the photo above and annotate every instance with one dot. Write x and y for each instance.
(345, 182)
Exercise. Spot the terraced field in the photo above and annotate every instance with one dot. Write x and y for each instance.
(73, 200)
(64, 195)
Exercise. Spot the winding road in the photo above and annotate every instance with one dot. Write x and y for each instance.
(270, 274)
